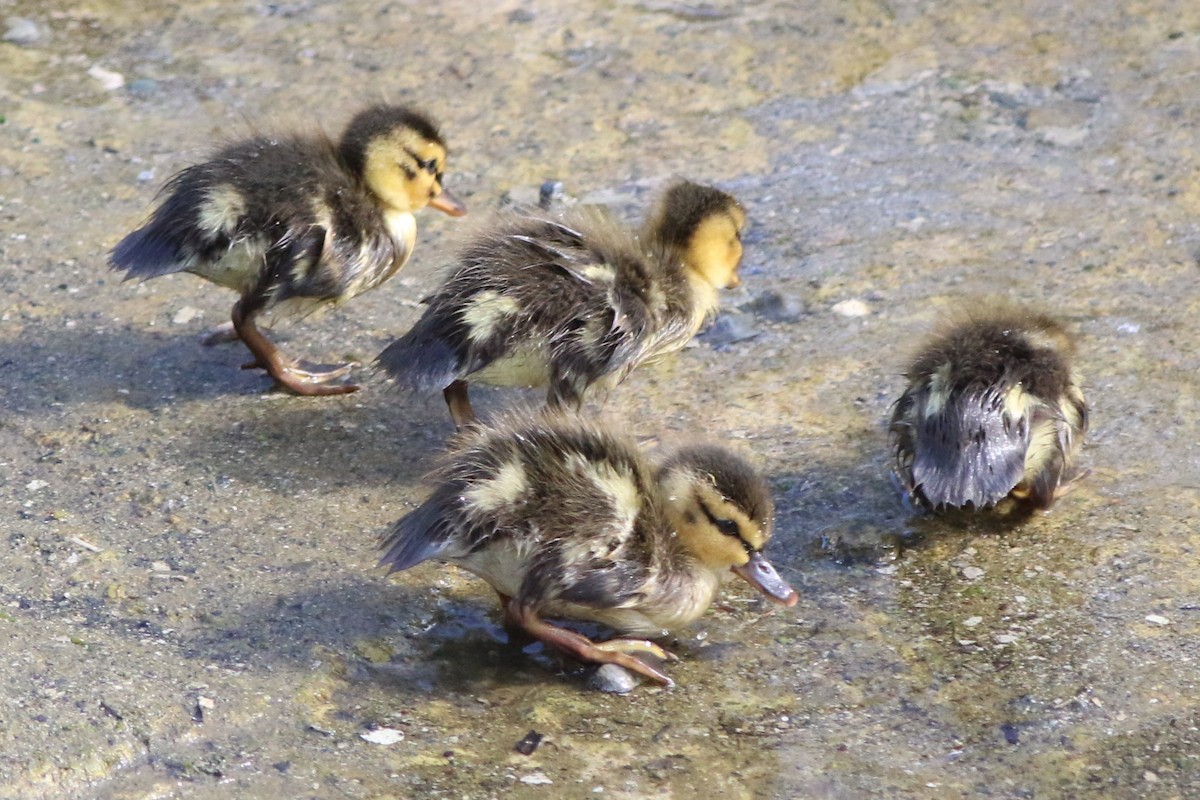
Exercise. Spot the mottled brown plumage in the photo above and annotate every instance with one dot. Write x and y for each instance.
(565, 518)
(572, 301)
(993, 410)
(294, 220)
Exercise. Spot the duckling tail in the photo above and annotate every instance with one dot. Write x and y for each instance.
(416, 537)
(421, 361)
(147, 253)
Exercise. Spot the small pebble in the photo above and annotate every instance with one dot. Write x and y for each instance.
(108, 79)
(730, 329)
(37, 485)
(971, 622)
(1006, 638)
(143, 87)
(773, 306)
(1150, 777)
(613, 679)
(972, 573)
(383, 736)
(185, 315)
(851, 308)
(21, 31)
(529, 743)
(536, 779)
(551, 194)
(1157, 619)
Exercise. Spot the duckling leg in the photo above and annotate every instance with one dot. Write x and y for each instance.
(459, 404)
(636, 646)
(582, 648)
(516, 634)
(284, 371)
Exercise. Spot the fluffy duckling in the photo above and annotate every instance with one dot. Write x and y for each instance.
(563, 518)
(992, 410)
(302, 221)
(573, 301)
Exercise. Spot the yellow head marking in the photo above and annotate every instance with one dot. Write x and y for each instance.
(717, 532)
(715, 248)
(404, 169)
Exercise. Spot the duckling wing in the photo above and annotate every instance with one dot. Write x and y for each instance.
(971, 450)
(534, 297)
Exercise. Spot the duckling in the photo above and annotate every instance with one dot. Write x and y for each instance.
(573, 301)
(993, 410)
(564, 518)
(295, 220)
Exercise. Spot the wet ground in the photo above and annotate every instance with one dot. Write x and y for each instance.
(188, 600)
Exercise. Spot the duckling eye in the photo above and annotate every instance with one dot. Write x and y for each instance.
(429, 165)
(728, 527)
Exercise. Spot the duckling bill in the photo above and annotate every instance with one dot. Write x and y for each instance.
(993, 410)
(572, 301)
(563, 518)
(297, 221)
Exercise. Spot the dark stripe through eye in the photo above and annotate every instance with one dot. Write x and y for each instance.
(430, 165)
(728, 527)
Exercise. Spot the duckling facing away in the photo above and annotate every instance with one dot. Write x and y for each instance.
(992, 410)
(565, 519)
(303, 221)
(572, 302)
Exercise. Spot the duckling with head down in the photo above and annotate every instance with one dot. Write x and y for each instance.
(565, 519)
(568, 303)
(993, 410)
(298, 220)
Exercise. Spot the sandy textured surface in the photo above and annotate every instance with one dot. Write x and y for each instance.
(188, 600)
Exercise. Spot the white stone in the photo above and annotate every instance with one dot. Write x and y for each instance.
(383, 736)
(108, 79)
(185, 315)
(851, 308)
(536, 779)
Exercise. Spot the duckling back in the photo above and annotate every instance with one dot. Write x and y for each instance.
(992, 409)
(259, 204)
(536, 301)
(560, 504)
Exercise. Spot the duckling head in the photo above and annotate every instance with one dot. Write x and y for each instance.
(722, 512)
(401, 157)
(703, 226)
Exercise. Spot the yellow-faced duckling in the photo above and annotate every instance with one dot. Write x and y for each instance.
(571, 301)
(993, 410)
(299, 220)
(565, 519)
